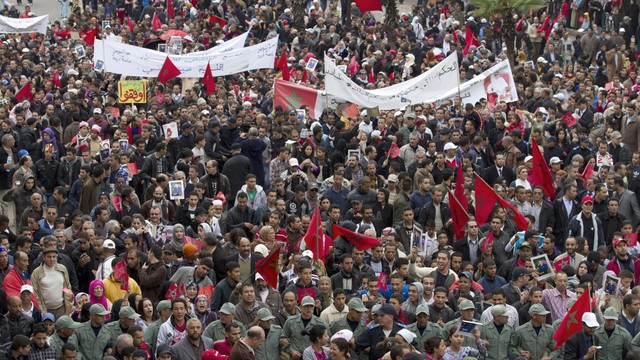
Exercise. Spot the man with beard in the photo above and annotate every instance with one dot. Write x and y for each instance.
(570, 257)
(622, 260)
(215, 182)
(159, 200)
(194, 344)
(248, 306)
(582, 345)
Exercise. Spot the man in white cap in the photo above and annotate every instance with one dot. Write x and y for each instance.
(108, 254)
(614, 339)
(583, 345)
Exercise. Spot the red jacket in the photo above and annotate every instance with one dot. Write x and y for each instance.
(13, 282)
(614, 266)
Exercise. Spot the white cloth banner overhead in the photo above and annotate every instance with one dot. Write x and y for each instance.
(24, 26)
(496, 84)
(132, 60)
(424, 88)
(233, 44)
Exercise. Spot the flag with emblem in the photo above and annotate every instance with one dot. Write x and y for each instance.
(459, 215)
(486, 196)
(315, 239)
(170, 10)
(291, 97)
(283, 66)
(206, 291)
(360, 241)
(168, 71)
(194, 241)
(25, 93)
(120, 274)
(268, 267)
(569, 119)
(572, 321)
(394, 150)
(89, 36)
(540, 175)
(487, 241)
(172, 292)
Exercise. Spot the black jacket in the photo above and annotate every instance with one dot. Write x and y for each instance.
(370, 339)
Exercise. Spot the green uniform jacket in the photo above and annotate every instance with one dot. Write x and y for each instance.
(292, 330)
(114, 330)
(91, 347)
(151, 335)
(430, 331)
(498, 348)
(270, 348)
(614, 347)
(525, 338)
(57, 342)
(341, 324)
(215, 330)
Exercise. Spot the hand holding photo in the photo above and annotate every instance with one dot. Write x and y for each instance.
(543, 267)
(176, 190)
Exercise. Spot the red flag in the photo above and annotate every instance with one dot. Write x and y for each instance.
(168, 71)
(170, 11)
(469, 40)
(291, 96)
(283, 66)
(117, 203)
(315, 237)
(216, 19)
(361, 242)
(588, 172)
(458, 215)
(206, 291)
(487, 196)
(132, 168)
(488, 241)
(156, 24)
(545, 24)
(369, 5)
(172, 292)
(304, 77)
(631, 238)
(130, 24)
(209, 81)
(351, 111)
(569, 119)
(394, 150)
(572, 321)
(459, 190)
(25, 93)
(120, 274)
(455, 36)
(56, 79)
(372, 78)
(193, 241)
(268, 267)
(540, 175)
(182, 289)
(383, 281)
(89, 36)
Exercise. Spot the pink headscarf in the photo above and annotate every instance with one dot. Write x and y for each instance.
(94, 300)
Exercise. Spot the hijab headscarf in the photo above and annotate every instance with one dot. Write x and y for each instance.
(94, 300)
(53, 142)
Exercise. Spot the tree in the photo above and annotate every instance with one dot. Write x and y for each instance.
(298, 7)
(391, 20)
(507, 10)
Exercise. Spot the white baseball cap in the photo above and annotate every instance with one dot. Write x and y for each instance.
(450, 146)
(109, 244)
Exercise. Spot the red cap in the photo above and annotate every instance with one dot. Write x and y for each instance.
(213, 355)
(617, 241)
(420, 122)
(587, 199)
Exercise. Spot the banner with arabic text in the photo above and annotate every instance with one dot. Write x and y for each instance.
(496, 84)
(132, 60)
(24, 25)
(424, 88)
(132, 92)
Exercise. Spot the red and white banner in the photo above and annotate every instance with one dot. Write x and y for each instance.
(496, 84)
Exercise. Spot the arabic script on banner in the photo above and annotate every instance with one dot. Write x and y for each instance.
(132, 92)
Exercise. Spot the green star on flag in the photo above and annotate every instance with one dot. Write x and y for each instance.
(290, 96)
(293, 100)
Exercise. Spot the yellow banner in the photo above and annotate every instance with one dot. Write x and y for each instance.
(132, 92)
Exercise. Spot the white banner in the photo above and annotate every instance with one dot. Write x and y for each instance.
(496, 84)
(24, 26)
(132, 60)
(233, 44)
(424, 88)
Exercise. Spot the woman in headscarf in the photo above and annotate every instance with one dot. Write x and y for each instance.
(417, 28)
(49, 141)
(178, 237)
(96, 295)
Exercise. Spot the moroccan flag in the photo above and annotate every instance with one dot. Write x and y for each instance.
(572, 321)
(182, 289)
(315, 237)
(56, 79)
(458, 215)
(383, 281)
(168, 71)
(588, 172)
(569, 119)
(132, 168)
(540, 174)
(486, 196)
(394, 151)
(283, 66)
(291, 96)
(25, 93)
(206, 291)
(156, 24)
(193, 241)
(130, 24)
(455, 36)
(361, 242)
(120, 274)
(268, 267)
(372, 78)
(170, 11)
(209, 81)
(459, 190)
(369, 5)
(558, 264)
(487, 241)
(469, 40)
(632, 239)
(545, 24)
(172, 292)
(89, 36)
(217, 19)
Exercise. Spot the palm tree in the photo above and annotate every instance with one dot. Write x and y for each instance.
(506, 10)
(391, 20)
(298, 7)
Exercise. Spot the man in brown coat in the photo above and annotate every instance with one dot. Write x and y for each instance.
(245, 349)
(631, 128)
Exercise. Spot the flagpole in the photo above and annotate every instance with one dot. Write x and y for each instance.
(254, 272)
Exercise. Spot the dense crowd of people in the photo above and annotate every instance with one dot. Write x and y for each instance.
(91, 188)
